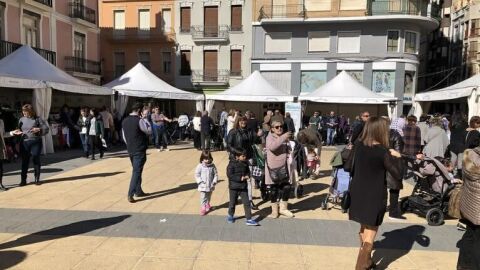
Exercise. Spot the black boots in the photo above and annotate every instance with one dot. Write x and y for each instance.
(37, 181)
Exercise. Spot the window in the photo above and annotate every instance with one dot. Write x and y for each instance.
(475, 28)
(383, 81)
(278, 42)
(185, 19)
(31, 28)
(119, 19)
(166, 20)
(357, 4)
(79, 45)
(393, 38)
(279, 79)
(144, 58)
(318, 41)
(348, 42)
(236, 23)
(144, 19)
(315, 5)
(312, 80)
(185, 63)
(119, 58)
(236, 63)
(2, 20)
(167, 62)
(411, 42)
(356, 74)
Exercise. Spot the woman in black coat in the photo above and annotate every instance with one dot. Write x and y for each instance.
(395, 184)
(368, 189)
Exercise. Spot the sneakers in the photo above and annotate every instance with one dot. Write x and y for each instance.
(203, 211)
(166, 149)
(230, 219)
(461, 227)
(251, 222)
(159, 150)
(208, 207)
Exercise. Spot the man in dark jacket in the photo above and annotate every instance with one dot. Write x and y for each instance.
(136, 130)
(206, 124)
(395, 185)
(358, 128)
(331, 122)
(288, 124)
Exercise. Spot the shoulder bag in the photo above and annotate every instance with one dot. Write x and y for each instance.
(278, 175)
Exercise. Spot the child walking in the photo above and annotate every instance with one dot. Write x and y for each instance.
(238, 174)
(206, 176)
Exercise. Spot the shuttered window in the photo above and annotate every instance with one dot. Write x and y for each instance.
(185, 63)
(318, 41)
(210, 64)
(185, 19)
(119, 58)
(167, 20)
(278, 42)
(236, 63)
(119, 19)
(348, 42)
(211, 22)
(144, 58)
(236, 24)
(144, 19)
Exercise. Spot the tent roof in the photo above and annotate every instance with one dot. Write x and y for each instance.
(25, 68)
(459, 90)
(255, 88)
(140, 82)
(345, 89)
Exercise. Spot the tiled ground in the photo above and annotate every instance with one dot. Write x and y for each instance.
(80, 219)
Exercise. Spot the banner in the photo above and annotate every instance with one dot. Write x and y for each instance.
(295, 110)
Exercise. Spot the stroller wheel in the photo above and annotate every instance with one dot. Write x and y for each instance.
(435, 217)
(404, 205)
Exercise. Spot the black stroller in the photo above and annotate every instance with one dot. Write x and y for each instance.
(430, 195)
(340, 183)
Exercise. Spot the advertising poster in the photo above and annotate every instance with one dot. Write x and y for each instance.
(295, 110)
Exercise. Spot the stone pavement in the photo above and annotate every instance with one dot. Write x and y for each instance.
(80, 219)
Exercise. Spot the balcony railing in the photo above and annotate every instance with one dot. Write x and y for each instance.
(210, 76)
(81, 65)
(44, 2)
(133, 35)
(282, 11)
(206, 33)
(7, 48)
(77, 10)
(403, 7)
(236, 28)
(235, 73)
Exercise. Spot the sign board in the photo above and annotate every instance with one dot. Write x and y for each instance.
(295, 110)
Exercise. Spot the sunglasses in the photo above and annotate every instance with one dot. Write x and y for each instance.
(366, 115)
(277, 127)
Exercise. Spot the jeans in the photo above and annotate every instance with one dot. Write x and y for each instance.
(95, 141)
(281, 191)
(330, 133)
(234, 193)
(160, 136)
(205, 198)
(457, 162)
(469, 255)
(138, 161)
(84, 139)
(30, 148)
(205, 141)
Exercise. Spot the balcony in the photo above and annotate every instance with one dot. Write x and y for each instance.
(81, 65)
(210, 77)
(7, 48)
(403, 7)
(282, 12)
(136, 35)
(79, 11)
(202, 33)
(235, 73)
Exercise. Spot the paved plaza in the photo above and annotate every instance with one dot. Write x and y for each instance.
(79, 218)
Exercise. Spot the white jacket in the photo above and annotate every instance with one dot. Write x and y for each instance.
(206, 177)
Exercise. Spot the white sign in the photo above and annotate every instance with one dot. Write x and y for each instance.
(295, 110)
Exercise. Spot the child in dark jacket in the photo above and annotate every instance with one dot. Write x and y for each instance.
(238, 173)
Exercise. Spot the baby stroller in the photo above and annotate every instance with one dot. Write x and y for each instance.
(216, 139)
(173, 132)
(430, 195)
(340, 183)
(258, 172)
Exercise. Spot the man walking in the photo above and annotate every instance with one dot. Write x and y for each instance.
(332, 123)
(136, 130)
(206, 124)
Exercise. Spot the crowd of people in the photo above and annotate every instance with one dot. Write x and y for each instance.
(266, 155)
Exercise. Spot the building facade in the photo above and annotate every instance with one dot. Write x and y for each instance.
(65, 33)
(214, 40)
(300, 45)
(138, 32)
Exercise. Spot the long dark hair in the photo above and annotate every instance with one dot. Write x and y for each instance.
(375, 130)
(206, 155)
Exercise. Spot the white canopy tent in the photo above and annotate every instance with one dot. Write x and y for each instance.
(140, 82)
(464, 89)
(24, 68)
(255, 88)
(346, 90)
